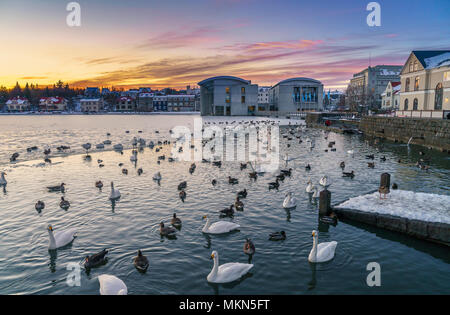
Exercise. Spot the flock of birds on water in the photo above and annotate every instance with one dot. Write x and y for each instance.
(225, 273)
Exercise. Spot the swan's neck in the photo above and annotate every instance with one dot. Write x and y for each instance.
(313, 254)
(216, 267)
(208, 223)
(52, 240)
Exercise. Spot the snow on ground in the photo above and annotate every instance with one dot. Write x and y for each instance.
(402, 203)
(229, 119)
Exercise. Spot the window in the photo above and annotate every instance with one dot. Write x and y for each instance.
(416, 83)
(227, 90)
(415, 104)
(416, 66)
(243, 99)
(447, 76)
(438, 95)
(411, 66)
(407, 85)
(243, 90)
(406, 105)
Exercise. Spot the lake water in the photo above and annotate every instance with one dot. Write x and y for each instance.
(180, 266)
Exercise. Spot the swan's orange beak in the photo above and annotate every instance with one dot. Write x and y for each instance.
(313, 234)
(212, 256)
(50, 228)
(204, 217)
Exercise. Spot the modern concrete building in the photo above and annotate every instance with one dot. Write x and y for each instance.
(144, 102)
(160, 103)
(296, 94)
(228, 96)
(425, 79)
(263, 98)
(366, 87)
(390, 98)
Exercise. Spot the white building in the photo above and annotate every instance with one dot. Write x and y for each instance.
(263, 98)
(390, 98)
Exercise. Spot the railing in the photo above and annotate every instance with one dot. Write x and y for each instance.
(420, 114)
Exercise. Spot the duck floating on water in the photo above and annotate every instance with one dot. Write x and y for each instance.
(61, 188)
(238, 204)
(348, 174)
(242, 193)
(166, 230)
(95, 260)
(140, 262)
(249, 247)
(64, 204)
(182, 195)
(232, 181)
(39, 206)
(277, 236)
(227, 212)
(274, 185)
(99, 184)
(175, 221)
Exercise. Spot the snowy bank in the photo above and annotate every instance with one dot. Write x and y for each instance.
(406, 204)
(421, 215)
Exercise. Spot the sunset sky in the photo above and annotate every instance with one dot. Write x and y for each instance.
(176, 42)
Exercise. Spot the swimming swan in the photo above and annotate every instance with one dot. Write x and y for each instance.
(227, 272)
(289, 201)
(219, 227)
(321, 252)
(111, 285)
(325, 182)
(115, 193)
(60, 238)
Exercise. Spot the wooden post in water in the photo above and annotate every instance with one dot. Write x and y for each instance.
(325, 202)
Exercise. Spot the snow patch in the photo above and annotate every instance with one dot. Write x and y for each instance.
(438, 61)
(406, 204)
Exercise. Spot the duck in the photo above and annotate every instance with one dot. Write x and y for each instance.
(219, 227)
(40, 205)
(383, 158)
(64, 204)
(324, 182)
(232, 181)
(3, 181)
(175, 221)
(249, 247)
(182, 195)
(99, 184)
(61, 188)
(111, 285)
(370, 156)
(140, 171)
(140, 262)
(182, 185)
(115, 193)
(308, 167)
(371, 164)
(242, 193)
(394, 186)
(348, 174)
(227, 272)
(280, 177)
(342, 165)
(228, 212)
(166, 230)
(287, 172)
(95, 260)
(214, 182)
(87, 147)
(125, 171)
(289, 201)
(321, 252)
(274, 185)
(238, 204)
(14, 157)
(192, 168)
(243, 166)
(277, 236)
(59, 239)
(253, 175)
(157, 176)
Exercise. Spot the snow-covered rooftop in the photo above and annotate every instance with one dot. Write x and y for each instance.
(438, 61)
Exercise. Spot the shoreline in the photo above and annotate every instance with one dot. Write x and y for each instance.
(95, 114)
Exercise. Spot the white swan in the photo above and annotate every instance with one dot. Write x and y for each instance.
(289, 201)
(157, 176)
(321, 252)
(351, 152)
(325, 182)
(227, 272)
(316, 193)
(219, 227)
(111, 285)
(115, 193)
(3, 181)
(60, 238)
